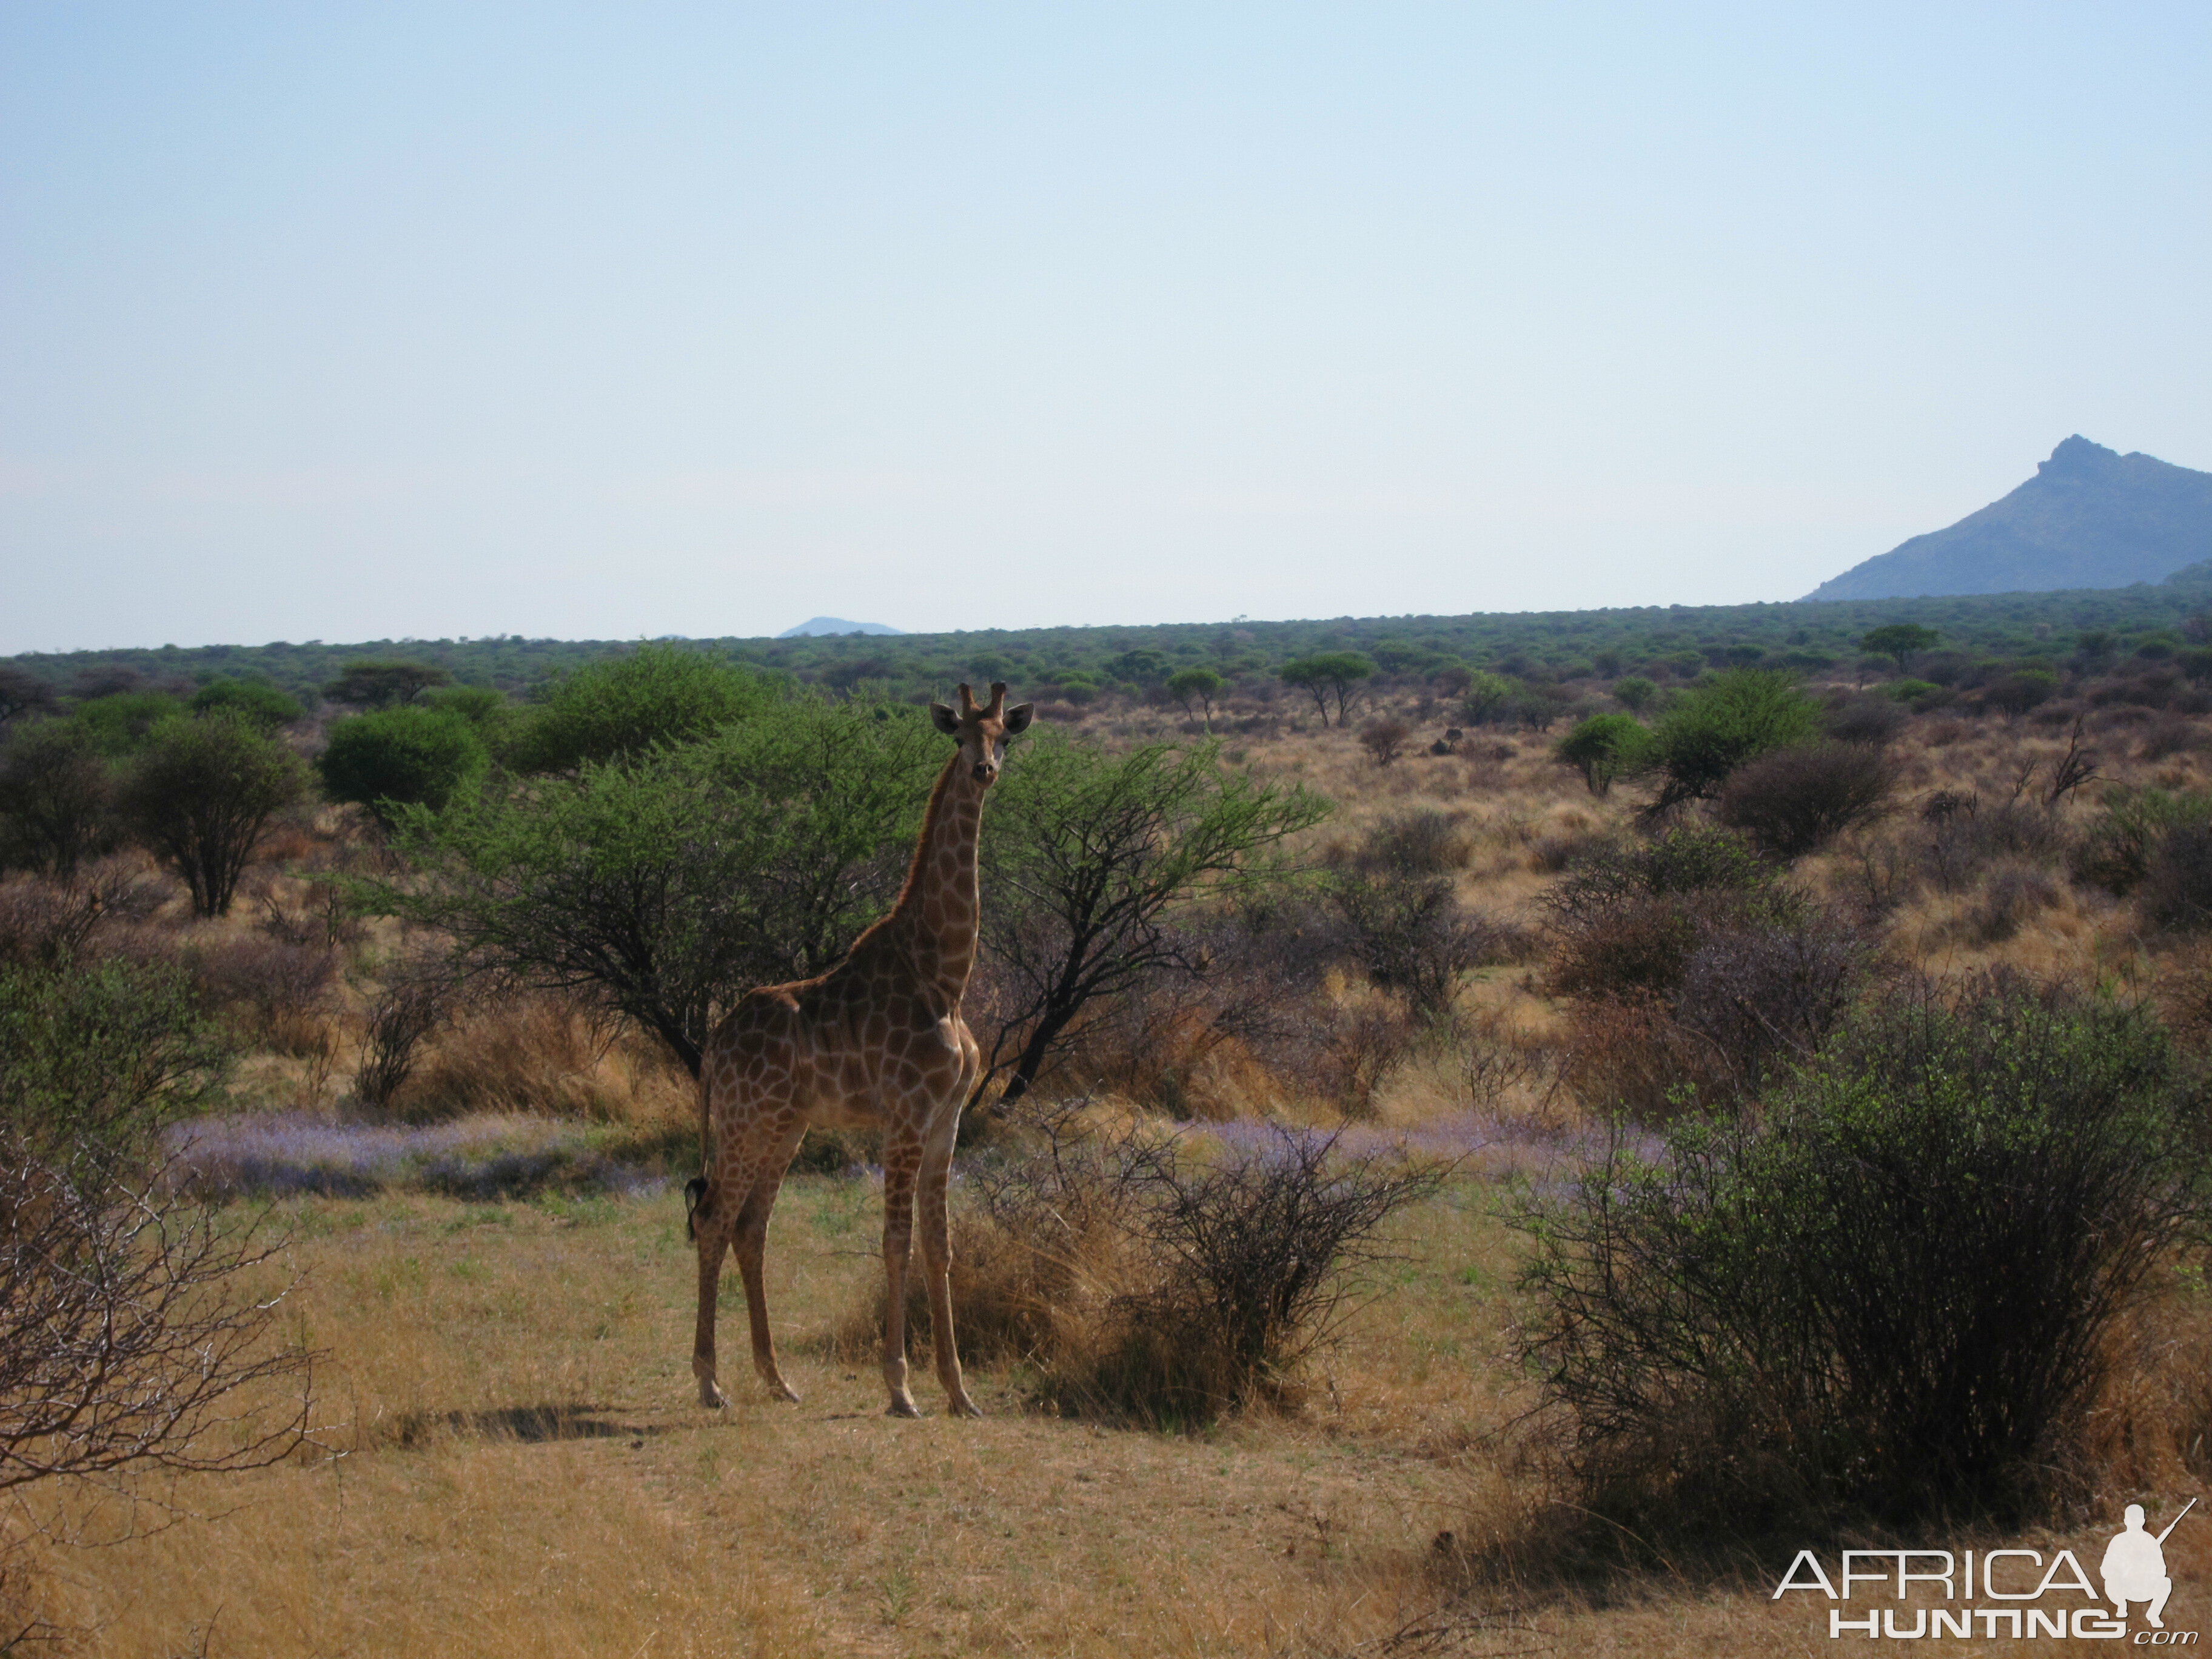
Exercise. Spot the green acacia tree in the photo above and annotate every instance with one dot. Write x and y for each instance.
(1485, 696)
(57, 798)
(1634, 693)
(1089, 856)
(1328, 677)
(1196, 685)
(657, 694)
(263, 703)
(1715, 727)
(1605, 747)
(670, 884)
(1898, 642)
(404, 756)
(378, 684)
(201, 793)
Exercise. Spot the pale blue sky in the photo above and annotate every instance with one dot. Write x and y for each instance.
(340, 321)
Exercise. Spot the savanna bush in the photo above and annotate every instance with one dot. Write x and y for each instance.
(1398, 909)
(270, 991)
(1692, 972)
(623, 707)
(1874, 721)
(1146, 1279)
(200, 795)
(2126, 838)
(57, 798)
(1721, 724)
(97, 1055)
(1794, 801)
(1605, 747)
(1889, 1293)
(261, 702)
(405, 756)
(2177, 889)
(1962, 836)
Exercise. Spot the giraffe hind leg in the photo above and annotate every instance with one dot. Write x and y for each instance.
(751, 1240)
(708, 1229)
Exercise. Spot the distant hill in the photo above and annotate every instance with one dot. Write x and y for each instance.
(2089, 518)
(814, 625)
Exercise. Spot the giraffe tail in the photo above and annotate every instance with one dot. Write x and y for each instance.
(695, 1190)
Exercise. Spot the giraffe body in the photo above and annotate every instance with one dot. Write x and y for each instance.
(876, 1042)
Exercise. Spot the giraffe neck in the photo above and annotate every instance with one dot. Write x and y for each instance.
(939, 909)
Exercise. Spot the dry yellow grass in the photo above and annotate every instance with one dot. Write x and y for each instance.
(522, 1472)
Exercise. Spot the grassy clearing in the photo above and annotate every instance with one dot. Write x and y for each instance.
(522, 1471)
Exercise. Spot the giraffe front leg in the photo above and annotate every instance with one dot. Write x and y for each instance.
(899, 1164)
(937, 1266)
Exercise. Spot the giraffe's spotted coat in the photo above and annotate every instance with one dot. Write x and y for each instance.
(876, 1042)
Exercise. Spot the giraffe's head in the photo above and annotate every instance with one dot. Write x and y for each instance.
(984, 728)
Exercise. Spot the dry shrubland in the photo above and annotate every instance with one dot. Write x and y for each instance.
(1484, 987)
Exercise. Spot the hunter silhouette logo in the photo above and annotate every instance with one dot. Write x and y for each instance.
(2133, 1570)
(2135, 1566)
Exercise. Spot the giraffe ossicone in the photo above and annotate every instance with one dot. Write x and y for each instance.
(876, 1042)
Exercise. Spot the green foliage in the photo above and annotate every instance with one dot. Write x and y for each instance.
(385, 684)
(1900, 640)
(56, 795)
(1138, 667)
(1605, 747)
(1891, 1292)
(1689, 858)
(2124, 840)
(1090, 855)
(2020, 690)
(2009, 626)
(1718, 724)
(1484, 697)
(95, 1058)
(200, 795)
(1634, 693)
(1196, 685)
(116, 726)
(621, 708)
(670, 884)
(21, 693)
(1328, 677)
(1909, 692)
(402, 756)
(258, 701)
(487, 710)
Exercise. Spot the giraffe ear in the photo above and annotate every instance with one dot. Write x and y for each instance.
(945, 720)
(1018, 718)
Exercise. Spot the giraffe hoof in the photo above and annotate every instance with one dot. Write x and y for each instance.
(711, 1397)
(902, 1408)
(784, 1392)
(963, 1407)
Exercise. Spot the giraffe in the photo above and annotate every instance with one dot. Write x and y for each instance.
(876, 1042)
